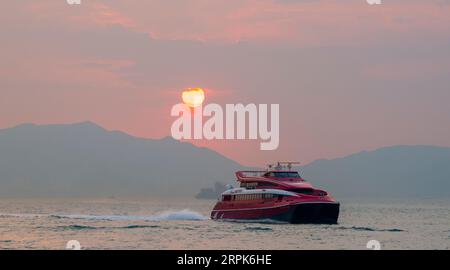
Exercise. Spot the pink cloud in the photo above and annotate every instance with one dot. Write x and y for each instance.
(307, 23)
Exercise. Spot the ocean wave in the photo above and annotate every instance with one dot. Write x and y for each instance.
(7, 215)
(185, 214)
(76, 227)
(139, 227)
(258, 229)
(369, 229)
(258, 221)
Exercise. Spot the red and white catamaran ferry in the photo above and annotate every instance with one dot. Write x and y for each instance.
(278, 194)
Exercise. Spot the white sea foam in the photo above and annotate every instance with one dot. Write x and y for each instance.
(185, 214)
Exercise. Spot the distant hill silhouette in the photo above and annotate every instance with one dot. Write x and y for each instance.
(211, 193)
(84, 159)
(398, 171)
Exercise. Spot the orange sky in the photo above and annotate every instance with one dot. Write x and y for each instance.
(348, 76)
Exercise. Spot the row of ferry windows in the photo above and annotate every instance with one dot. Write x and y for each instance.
(251, 185)
(246, 197)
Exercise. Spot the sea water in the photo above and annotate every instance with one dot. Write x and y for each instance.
(184, 223)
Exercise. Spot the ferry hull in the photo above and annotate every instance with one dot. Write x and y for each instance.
(313, 213)
(299, 213)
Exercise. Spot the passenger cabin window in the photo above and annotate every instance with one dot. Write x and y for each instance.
(283, 174)
(253, 185)
(249, 197)
(226, 198)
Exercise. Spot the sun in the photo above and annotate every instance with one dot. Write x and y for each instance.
(193, 97)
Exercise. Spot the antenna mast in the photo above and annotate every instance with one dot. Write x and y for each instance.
(281, 165)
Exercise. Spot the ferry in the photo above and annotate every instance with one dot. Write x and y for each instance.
(276, 194)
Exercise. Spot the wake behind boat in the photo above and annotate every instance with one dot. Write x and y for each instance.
(278, 194)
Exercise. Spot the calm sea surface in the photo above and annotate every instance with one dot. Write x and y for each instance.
(185, 224)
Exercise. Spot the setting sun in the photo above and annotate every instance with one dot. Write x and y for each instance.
(193, 97)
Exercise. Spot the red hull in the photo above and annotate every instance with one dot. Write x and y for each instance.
(294, 211)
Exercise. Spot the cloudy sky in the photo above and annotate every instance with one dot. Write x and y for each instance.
(348, 76)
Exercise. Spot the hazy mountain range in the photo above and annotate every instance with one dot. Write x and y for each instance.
(397, 171)
(86, 160)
